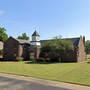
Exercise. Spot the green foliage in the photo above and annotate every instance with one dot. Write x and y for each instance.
(87, 46)
(1, 52)
(24, 37)
(56, 48)
(3, 35)
(88, 58)
(19, 58)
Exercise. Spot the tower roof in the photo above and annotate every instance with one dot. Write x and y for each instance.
(35, 33)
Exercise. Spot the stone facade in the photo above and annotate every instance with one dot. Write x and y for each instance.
(34, 52)
(81, 54)
(1, 45)
(1, 48)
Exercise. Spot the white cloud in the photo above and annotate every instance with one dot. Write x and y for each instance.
(1, 12)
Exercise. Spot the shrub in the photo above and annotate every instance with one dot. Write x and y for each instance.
(19, 58)
(41, 59)
(87, 45)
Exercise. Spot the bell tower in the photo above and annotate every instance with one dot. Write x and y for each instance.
(35, 39)
(35, 46)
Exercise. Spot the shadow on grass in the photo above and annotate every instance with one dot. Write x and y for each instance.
(1, 60)
(88, 62)
(32, 62)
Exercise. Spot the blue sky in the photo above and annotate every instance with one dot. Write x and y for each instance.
(69, 18)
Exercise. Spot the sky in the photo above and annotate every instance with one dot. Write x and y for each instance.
(68, 18)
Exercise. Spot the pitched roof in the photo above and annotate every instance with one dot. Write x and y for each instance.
(23, 41)
(74, 41)
(35, 33)
(20, 41)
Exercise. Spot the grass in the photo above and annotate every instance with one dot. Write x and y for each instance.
(78, 73)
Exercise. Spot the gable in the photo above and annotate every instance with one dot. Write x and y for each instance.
(11, 40)
(19, 41)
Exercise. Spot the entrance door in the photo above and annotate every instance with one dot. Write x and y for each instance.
(32, 55)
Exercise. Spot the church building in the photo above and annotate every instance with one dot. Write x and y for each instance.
(14, 48)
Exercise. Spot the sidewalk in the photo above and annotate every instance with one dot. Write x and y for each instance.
(47, 82)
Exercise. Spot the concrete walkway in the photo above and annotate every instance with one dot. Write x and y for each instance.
(7, 83)
(47, 82)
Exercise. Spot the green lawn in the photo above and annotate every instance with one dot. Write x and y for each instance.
(78, 73)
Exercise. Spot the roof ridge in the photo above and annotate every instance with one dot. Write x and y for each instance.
(22, 39)
(63, 38)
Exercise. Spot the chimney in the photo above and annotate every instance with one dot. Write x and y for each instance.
(84, 40)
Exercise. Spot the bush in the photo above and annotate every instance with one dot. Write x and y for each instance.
(19, 58)
(41, 59)
(87, 45)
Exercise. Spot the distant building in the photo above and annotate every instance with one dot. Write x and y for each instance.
(31, 49)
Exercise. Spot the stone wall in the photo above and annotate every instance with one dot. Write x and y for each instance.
(34, 50)
(1, 45)
(10, 49)
(81, 54)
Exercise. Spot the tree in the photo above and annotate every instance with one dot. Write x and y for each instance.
(56, 48)
(87, 45)
(24, 37)
(3, 35)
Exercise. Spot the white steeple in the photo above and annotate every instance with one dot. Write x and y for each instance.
(35, 39)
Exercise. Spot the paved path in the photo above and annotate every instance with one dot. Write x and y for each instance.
(10, 82)
(7, 83)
